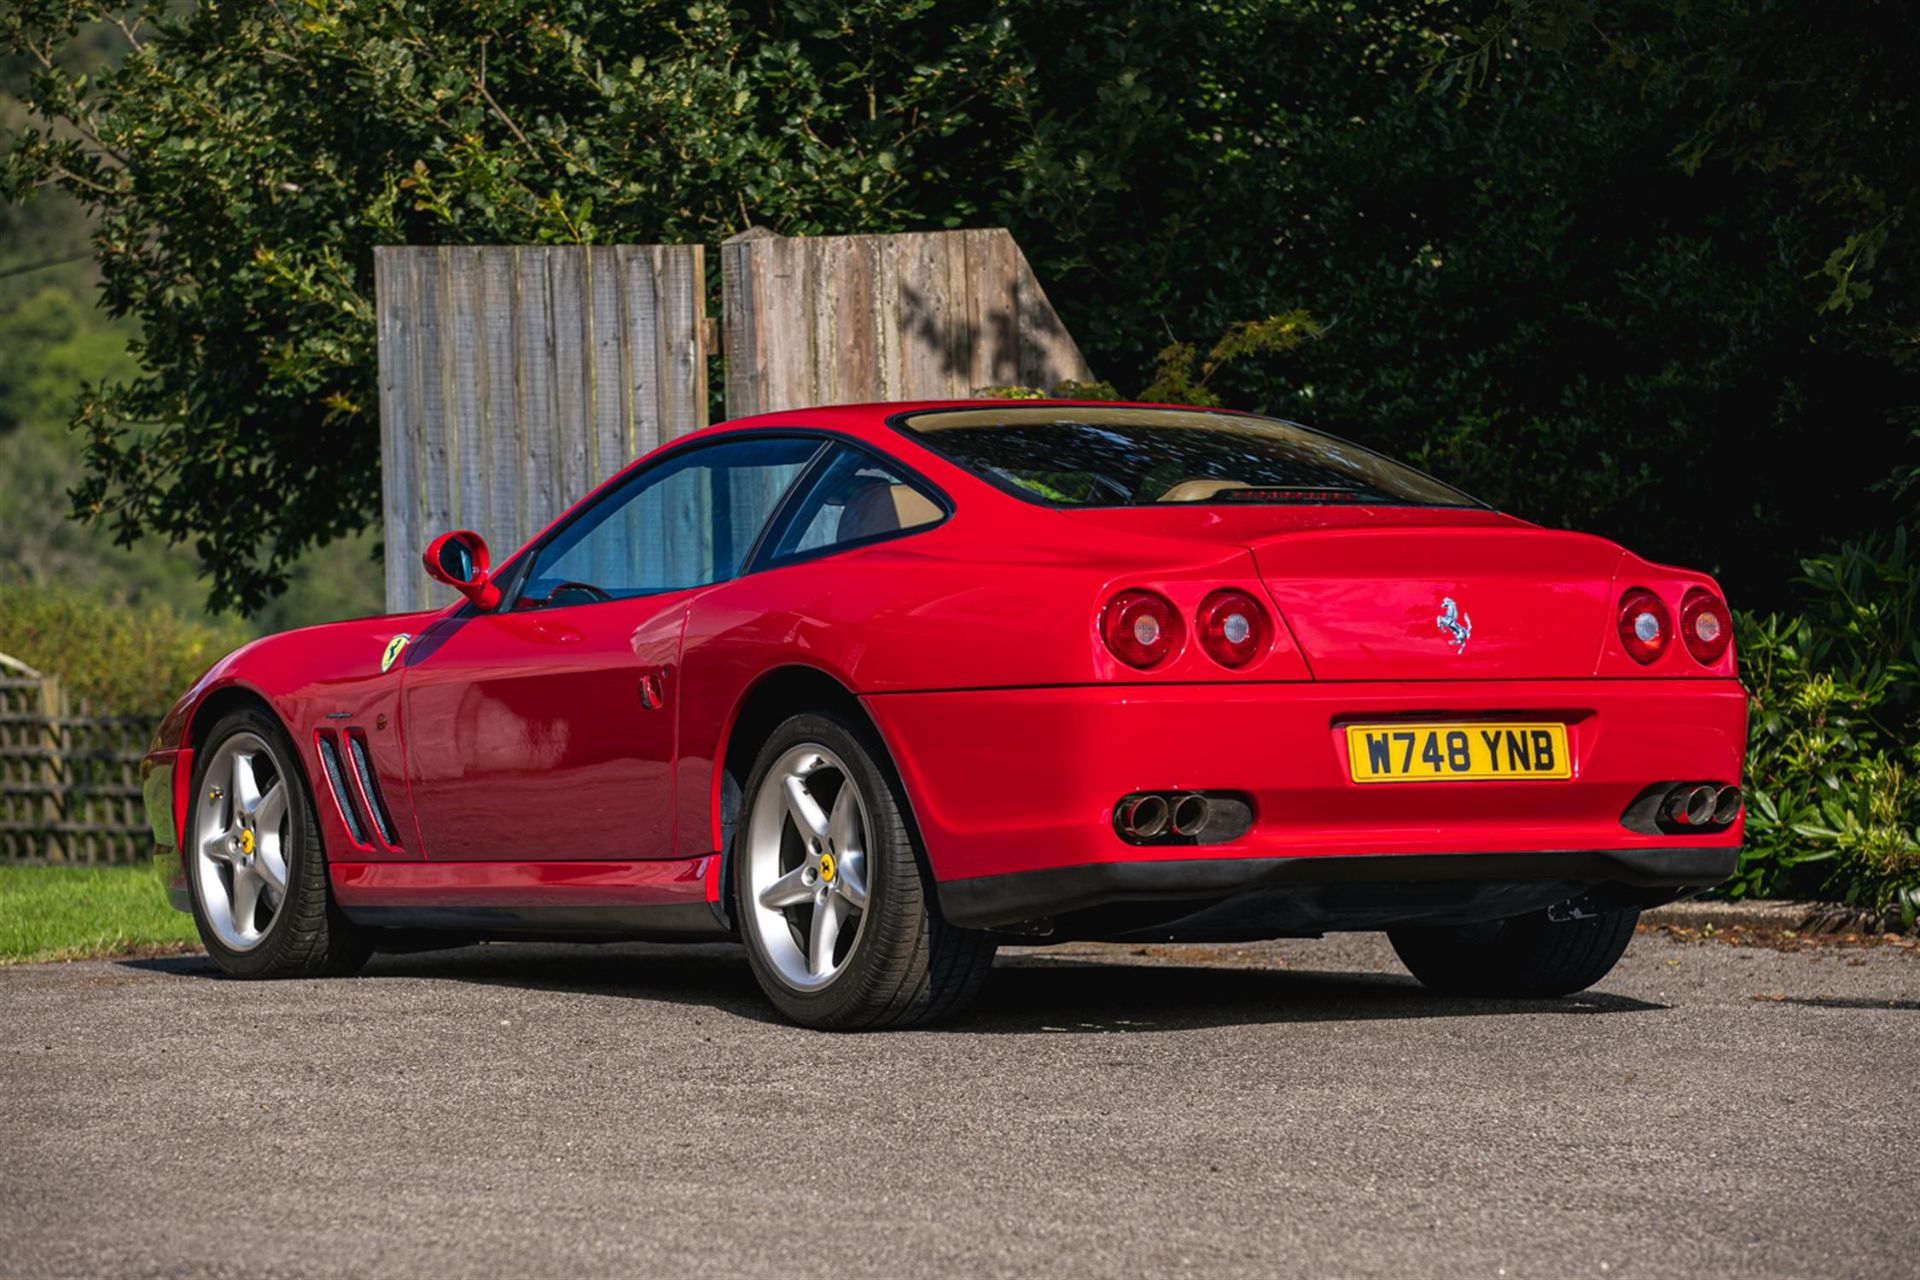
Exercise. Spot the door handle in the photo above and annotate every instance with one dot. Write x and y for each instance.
(653, 690)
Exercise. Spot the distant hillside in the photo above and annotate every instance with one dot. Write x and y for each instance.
(54, 338)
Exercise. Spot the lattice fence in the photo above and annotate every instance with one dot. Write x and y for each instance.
(69, 780)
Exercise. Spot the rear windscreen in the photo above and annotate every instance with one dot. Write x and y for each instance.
(1088, 456)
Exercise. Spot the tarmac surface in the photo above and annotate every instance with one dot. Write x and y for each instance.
(1287, 1108)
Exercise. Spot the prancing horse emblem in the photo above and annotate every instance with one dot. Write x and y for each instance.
(394, 646)
(1456, 624)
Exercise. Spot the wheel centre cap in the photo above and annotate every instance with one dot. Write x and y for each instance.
(246, 841)
(826, 867)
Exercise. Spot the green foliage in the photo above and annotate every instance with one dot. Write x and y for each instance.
(1612, 255)
(1834, 743)
(50, 343)
(1820, 93)
(244, 160)
(122, 660)
(71, 913)
(1175, 381)
(1099, 389)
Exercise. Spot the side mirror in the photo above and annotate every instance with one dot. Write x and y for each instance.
(460, 560)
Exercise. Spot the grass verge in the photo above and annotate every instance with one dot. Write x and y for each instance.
(71, 913)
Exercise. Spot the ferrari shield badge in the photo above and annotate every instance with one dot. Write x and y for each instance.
(392, 655)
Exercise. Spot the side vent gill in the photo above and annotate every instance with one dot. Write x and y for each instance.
(337, 783)
(370, 788)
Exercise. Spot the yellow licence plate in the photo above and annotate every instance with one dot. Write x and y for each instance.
(1457, 752)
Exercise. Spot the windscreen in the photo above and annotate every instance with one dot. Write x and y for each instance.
(1088, 456)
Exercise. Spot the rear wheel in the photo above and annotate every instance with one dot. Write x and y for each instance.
(255, 870)
(1526, 956)
(835, 908)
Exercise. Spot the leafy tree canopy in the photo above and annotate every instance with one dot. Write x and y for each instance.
(1651, 274)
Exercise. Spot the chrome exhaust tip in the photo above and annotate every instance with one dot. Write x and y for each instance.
(1726, 805)
(1144, 817)
(1691, 806)
(1190, 814)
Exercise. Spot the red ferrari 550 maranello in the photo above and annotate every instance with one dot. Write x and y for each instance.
(874, 688)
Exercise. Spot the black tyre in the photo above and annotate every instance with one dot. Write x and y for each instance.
(1528, 956)
(256, 872)
(833, 899)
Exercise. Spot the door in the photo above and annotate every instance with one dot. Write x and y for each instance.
(545, 728)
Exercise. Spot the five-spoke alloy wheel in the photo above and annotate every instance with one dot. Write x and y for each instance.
(254, 867)
(831, 892)
(806, 867)
(240, 841)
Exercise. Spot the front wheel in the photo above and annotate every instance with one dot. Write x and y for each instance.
(837, 913)
(1529, 956)
(255, 869)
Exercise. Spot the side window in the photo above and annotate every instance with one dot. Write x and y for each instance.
(689, 521)
(855, 497)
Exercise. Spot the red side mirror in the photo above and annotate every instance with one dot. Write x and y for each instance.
(460, 560)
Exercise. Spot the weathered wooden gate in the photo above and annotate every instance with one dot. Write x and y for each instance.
(515, 378)
(933, 315)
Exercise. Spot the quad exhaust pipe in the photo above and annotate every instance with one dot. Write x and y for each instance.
(1143, 817)
(1190, 814)
(1182, 817)
(1148, 816)
(1701, 805)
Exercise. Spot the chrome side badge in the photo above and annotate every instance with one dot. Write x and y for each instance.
(1456, 624)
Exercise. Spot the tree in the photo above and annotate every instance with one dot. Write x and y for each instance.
(1531, 292)
(1818, 95)
(244, 160)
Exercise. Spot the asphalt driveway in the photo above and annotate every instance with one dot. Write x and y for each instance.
(1297, 1107)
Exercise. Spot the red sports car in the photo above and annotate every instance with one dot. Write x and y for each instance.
(875, 688)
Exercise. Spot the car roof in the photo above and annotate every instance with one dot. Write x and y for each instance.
(867, 422)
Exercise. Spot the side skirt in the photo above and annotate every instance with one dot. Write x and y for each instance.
(643, 900)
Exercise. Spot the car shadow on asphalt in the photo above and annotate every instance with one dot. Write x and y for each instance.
(1040, 993)
(1025, 995)
(1843, 1002)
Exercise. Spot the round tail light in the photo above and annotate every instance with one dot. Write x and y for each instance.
(1141, 628)
(1705, 626)
(1233, 628)
(1646, 625)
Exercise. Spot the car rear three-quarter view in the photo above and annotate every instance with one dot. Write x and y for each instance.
(875, 688)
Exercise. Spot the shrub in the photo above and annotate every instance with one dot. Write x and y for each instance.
(124, 660)
(1833, 749)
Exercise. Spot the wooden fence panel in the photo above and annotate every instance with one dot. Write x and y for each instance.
(69, 780)
(514, 378)
(927, 315)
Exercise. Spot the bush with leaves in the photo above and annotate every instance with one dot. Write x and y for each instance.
(1174, 379)
(1833, 758)
(123, 660)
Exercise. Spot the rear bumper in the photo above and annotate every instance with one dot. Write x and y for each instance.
(1196, 897)
(1008, 782)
